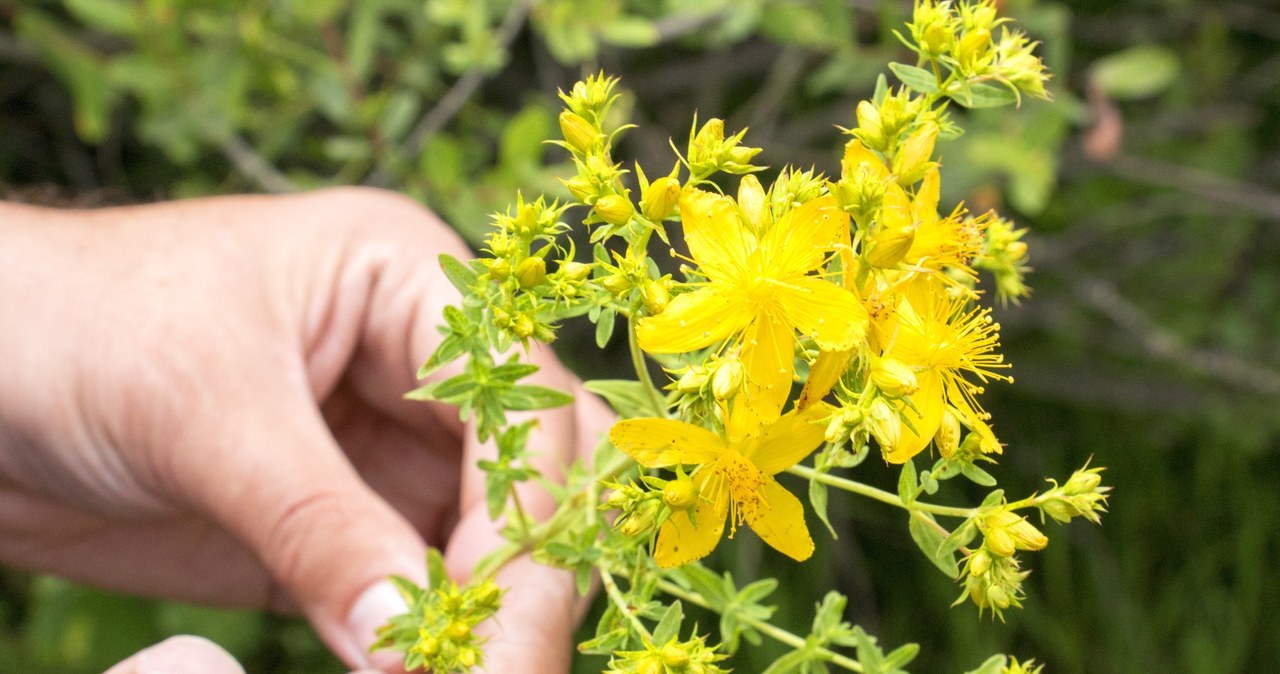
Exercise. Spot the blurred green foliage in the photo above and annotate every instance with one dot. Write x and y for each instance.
(1151, 185)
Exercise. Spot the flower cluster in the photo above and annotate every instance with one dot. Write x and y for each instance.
(806, 315)
(437, 632)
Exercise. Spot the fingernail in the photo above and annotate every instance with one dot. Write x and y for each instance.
(186, 655)
(372, 610)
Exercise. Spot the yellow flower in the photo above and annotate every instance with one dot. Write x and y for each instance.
(734, 478)
(759, 291)
(942, 339)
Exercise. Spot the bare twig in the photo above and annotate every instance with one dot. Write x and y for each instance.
(460, 92)
(254, 167)
(1163, 344)
(1236, 194)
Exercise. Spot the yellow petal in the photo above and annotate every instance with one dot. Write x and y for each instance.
(800, 241)
(768, 353)
(780, 521)
(679, 540)
(788, 440)
(692, 321)
(656, 443)
(831, 315)
(717, 237)
(930, 404)
(823, 375)
(856, 154)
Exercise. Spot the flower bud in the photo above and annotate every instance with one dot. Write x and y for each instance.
(948, 436)
(889, 245)
(578, 132)
(675, 656)
(870, 128)
(618, 284)
(893, 377)
(680, 493)
(458, 631)
(660, 199)
(655, 296)
(751, 199)
(531, 271)
(912, 160)
(523, 326)
(1006, 531)
(885, 424)
(581, 189)
(934, 39)
(614, 209)
(574, 271)
(641, 520)
(427, 645)
(973, 47)
(468, 658)
(499, 269)
(650, 665)
(488, 595)
(527, 219)
(979, 563)
(691, 381)
(728, 378)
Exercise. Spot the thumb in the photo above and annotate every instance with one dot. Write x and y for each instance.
(180, 655)
(279, 482)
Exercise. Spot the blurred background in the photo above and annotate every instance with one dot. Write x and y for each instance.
(1151, 186)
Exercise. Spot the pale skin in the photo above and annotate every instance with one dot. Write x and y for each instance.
(202, 400)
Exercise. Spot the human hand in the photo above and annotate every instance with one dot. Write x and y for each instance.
(201, 400)
(184, 655)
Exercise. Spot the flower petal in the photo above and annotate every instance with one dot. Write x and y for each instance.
(823, 375)
(679, 540)
(930, 403)
(799, 242)
(768, 354)
(657, 443)
(831, 315)
(780, 521)
(717, 237)
(788, 440)
(692, 321)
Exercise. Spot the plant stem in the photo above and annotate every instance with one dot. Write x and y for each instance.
(878, 494)
(642, 371)
(788, 638)
(615, 595)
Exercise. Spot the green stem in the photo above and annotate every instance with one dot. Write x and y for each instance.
(642, 371)
(615, 595)
(878, 494)
(788, 638)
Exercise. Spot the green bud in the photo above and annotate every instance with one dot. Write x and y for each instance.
(675, 656)
(499, 269)
(728, 378)
(680, 493)
(614, 209)
(893, 377)
(580, 134)
(531, 271)
(574, 271)
(659, 201)
(655, 296)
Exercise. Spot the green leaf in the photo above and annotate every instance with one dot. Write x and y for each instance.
(930, 540)
(977, 475)
(992, 665)
(627, 397)
(437, 574)
(978, 96)
(525, 397)
(460, 275)
(79, 68)
(630, 31)
(818, 499)
(408, 589)
(604, 327)
(960, 537)
(669, 627)
(109, 15)
(918, 79)
(1136, 72)
(908, 483)
(790, 662)
(901, 655)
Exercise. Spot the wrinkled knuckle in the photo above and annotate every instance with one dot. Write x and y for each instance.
(299, 534)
